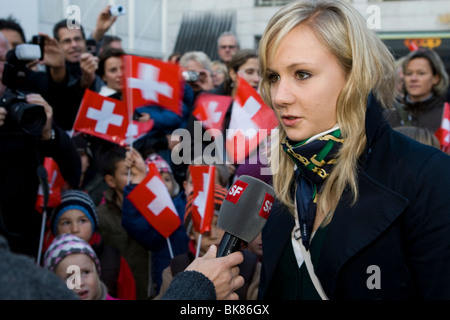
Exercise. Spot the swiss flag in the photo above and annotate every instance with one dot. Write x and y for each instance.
(203, 178)
(138, 129)
(55, 184)
(153, 201)
(152, 82)
(102, 117)
(251, 121)
(211, 109)
(443, 133)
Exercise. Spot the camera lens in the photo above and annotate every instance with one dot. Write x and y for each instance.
(30, 117)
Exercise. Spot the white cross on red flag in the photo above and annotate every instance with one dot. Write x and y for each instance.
(443, 133)
(138, 129)
(153, 201)
(251, 122)
(108, 119)
(211, 110)
(203, 178)
(55, 183)
(152, 82)
(102, 117)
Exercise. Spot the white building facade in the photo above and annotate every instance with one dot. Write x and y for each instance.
(153, 27)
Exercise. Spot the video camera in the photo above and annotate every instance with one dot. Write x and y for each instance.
(30, 118)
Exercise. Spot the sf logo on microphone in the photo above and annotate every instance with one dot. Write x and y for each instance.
(236, 191)
(267, 206)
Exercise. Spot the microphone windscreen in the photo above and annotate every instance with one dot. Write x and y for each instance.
(246, 208)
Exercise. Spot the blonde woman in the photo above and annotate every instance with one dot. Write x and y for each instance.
(360, 201)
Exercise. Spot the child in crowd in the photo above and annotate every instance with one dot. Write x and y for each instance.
(208, 238)
(141, 230)
(68, 250)
(422, 135)
(115, 172)
(91, 181)
(77, 215)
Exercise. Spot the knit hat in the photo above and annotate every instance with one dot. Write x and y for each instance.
(160, 163)
(64, 245)
(219, 195)
(162, 167)
(75, 199)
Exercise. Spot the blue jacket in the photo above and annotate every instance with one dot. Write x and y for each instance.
(143, 232)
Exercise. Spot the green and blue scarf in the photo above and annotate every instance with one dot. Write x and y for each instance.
(314, 158)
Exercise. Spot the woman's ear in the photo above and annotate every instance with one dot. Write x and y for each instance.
(436, 79)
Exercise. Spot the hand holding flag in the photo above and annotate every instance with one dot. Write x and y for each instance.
(153, 201)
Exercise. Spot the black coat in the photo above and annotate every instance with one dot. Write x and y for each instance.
(400, 223)
(20, 156)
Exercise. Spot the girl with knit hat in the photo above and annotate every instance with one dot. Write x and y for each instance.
(77, 215)
(68, 250)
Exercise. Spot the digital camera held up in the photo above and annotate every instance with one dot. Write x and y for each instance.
(190, 76)
(30, 118)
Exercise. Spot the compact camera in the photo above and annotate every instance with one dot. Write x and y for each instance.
(117, 11)
(190, 76)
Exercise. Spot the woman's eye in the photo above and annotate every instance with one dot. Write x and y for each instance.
(301, 75)
(273, 78)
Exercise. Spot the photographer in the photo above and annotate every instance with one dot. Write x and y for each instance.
(27, 135)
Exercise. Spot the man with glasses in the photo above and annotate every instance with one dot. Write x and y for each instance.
(227, 45)
(81, 67)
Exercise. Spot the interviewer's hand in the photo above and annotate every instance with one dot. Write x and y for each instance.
(223, 272)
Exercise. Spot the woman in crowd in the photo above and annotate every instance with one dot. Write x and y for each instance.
(426, 84)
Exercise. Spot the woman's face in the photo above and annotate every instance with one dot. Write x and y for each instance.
(218, 76)
(305, 82)
(250, 72)
(113, 73)
(419, 79)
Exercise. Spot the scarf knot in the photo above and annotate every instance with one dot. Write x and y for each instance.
(314, 158)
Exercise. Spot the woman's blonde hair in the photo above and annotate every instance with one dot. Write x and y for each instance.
(369, 67)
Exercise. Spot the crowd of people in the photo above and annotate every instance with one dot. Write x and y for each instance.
(360, 179)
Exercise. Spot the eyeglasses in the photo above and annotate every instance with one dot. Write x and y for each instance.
(227, 47)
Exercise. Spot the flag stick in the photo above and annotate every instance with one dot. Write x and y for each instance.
(199, 242)
(41, 238)
(130, 107)
(170, 248)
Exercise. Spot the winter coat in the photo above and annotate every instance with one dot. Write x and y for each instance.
(144, 233)
(113, 234)
(399, 228)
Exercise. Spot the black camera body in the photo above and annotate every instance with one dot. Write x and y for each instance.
(30, 118)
